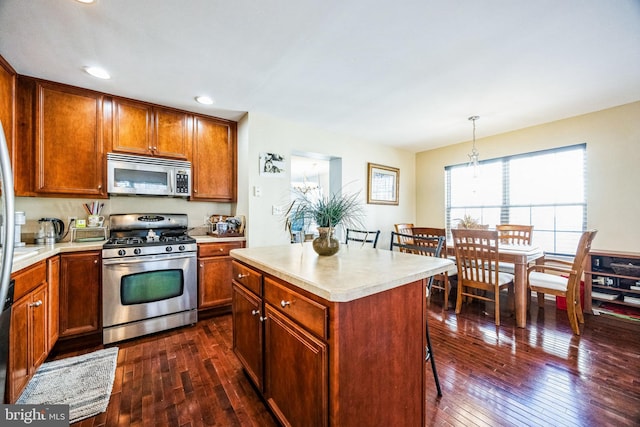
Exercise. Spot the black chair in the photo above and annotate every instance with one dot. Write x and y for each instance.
(429, 246)
(362, 236)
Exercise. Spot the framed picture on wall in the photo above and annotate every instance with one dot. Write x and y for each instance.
(383, 184)
(272, 164)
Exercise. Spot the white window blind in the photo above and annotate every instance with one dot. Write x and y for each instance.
(545, 189)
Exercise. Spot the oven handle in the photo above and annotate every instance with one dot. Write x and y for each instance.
(146, 258)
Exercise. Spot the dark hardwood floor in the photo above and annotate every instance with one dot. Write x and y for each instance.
(491, 376)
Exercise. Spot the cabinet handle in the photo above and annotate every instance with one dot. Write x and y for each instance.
(262, 319)
(100, 187)
(242, 276)
(284, 303)
(221, 249)
(254, 312)
(95, 261)
(201, 265)
(36, 304)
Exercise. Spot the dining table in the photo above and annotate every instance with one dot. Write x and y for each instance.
(520, 256)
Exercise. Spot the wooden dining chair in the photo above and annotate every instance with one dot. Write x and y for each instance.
(403, 233)
(477, 260)
(422, 245)
(362, 236)
(440, 281)
(562, 278)
(513, 234)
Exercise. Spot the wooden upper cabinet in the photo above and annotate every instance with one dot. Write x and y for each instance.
(172, 133)
(7, 101)
(68, 141)
(144, 129)
(132, 124)
(214, 160)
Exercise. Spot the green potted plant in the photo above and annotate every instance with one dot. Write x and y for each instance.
(327, 212)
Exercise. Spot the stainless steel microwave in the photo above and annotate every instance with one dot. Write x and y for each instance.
(147, 176)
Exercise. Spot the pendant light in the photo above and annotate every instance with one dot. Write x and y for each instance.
(474, 156)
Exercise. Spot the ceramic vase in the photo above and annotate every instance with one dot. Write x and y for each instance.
(325, 244)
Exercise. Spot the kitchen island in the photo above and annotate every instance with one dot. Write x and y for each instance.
(336, 340)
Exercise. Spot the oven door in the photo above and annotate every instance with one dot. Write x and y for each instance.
(147, 287)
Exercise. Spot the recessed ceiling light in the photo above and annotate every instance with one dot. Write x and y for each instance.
(86, 1)
(206, 100)
(97, 72)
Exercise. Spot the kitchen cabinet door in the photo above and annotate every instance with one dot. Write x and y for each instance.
(68, 141)
(173, 132)
(38, 327)
(7, 101)
(214, 160)
(132, 126)
(214, 278)
(247, 333)
(27, 339)
(296, 372)
(144, 129)
(215, 274)
(18, 369)
(80, 293)
(53, 282)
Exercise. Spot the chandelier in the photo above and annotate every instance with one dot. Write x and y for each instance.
(474, 156)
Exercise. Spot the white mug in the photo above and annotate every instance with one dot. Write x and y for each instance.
(95, 220)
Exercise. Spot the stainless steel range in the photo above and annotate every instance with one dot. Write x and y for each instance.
(149, 279)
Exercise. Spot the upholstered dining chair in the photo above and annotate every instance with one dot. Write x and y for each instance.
(440, 281)
(362, 236)
(513, 234)
(422, 245)
(562, 278)
(477, 260)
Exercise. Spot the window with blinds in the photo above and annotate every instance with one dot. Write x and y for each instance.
(545, 189)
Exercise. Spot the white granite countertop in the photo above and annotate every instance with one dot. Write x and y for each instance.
(352, 273)
(24, 256)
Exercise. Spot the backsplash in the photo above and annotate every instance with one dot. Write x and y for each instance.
(63, 208)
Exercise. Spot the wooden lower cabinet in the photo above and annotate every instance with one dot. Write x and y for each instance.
(214, 275)
(28, 336)
(53, 286)
(296, 374)
(286, 361)
(247, 345)
(80, 293)
(320, 363)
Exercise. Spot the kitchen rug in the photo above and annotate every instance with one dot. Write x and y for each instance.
(82, 382)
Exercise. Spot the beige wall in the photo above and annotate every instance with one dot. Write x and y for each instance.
(38, 207)
(268, 134)
(613, 169)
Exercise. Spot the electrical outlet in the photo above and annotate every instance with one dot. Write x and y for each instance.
(276, 210)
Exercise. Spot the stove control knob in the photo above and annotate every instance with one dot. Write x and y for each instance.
(181, 247)
(121, 252)
(168, 248)
(137, 251)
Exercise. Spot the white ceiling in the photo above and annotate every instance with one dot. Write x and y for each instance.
(402, 73)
